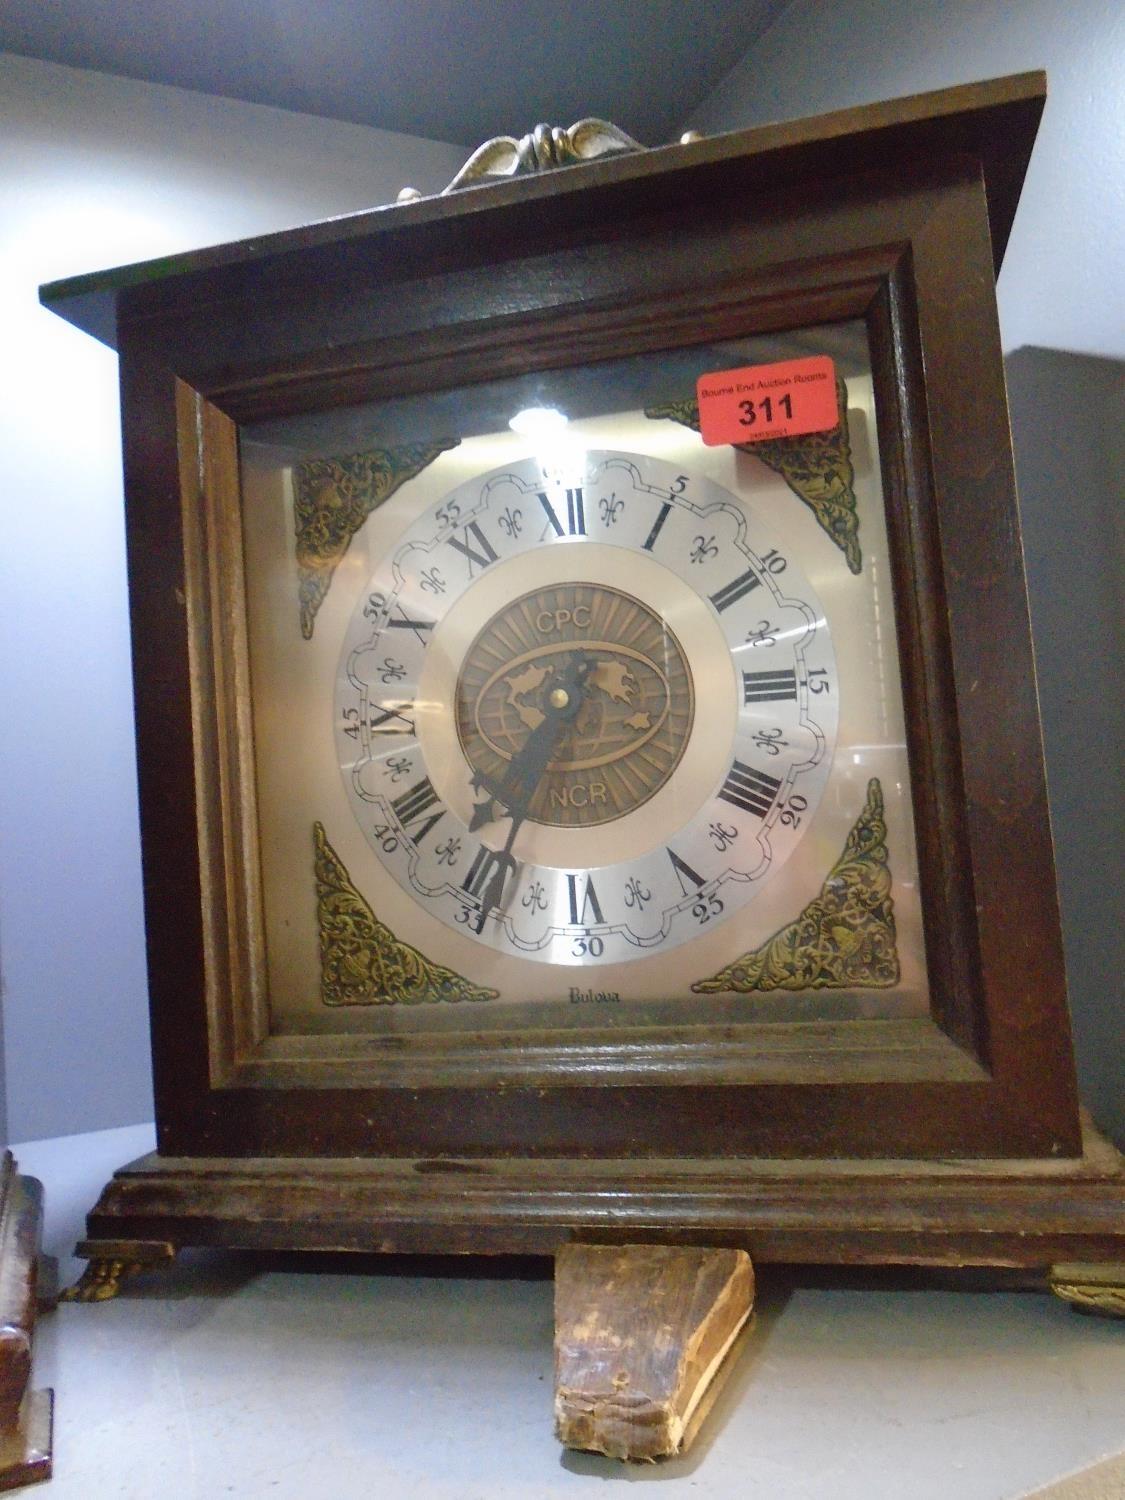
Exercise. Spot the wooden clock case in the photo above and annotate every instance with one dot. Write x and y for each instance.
(953, 1139)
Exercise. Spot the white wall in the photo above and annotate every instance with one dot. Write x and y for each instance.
(1062, 285)
(96, 171)
(1061, 295)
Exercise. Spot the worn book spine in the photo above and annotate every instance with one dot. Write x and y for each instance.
(25, 1416)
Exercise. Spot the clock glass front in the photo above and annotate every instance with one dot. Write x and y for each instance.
(565, 720)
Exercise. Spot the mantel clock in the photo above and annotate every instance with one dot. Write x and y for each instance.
(590, 770)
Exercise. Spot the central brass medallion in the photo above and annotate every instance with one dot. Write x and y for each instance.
(637, 710)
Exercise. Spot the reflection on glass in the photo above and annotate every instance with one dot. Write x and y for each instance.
(564, 713)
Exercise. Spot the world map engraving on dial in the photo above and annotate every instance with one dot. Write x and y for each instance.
(636, 715)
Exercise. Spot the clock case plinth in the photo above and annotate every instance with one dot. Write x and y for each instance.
(897, 214)
(1017, 1214)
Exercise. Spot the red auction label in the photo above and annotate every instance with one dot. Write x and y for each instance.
(767, 401)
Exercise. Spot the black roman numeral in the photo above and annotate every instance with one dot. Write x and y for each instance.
(481, 871)
(661, 517)
(486, 554)
(590, 902)
(769, 687)
(406, 623)
(382, 718)
(737, 589)
(415, 804)
(575, 512)
(485, 882)
(751, 790)
(685, 873)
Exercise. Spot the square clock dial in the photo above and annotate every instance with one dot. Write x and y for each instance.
(587, 724)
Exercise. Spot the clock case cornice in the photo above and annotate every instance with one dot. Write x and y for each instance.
(897, 214)
(991, 124)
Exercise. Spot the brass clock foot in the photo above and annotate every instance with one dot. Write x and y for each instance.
(110, 1262)
(1097, 1289)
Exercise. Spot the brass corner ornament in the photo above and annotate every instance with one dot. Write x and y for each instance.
(361, 960)
(844, 938)
(817, 467)
(332, 497)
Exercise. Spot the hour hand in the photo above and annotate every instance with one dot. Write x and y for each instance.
(520, 781)
(561, 702)
(509, 797)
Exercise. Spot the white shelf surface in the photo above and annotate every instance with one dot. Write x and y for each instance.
(220, 1377)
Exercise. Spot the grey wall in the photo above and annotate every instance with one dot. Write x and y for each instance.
(4, 1136)
(1061, 286)
(1061, 293)
(1070, 471)
(96, 171)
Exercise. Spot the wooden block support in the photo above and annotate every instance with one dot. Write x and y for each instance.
(641, 1331)
(25, 1416)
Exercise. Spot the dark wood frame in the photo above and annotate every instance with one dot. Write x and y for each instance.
(897, 214)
